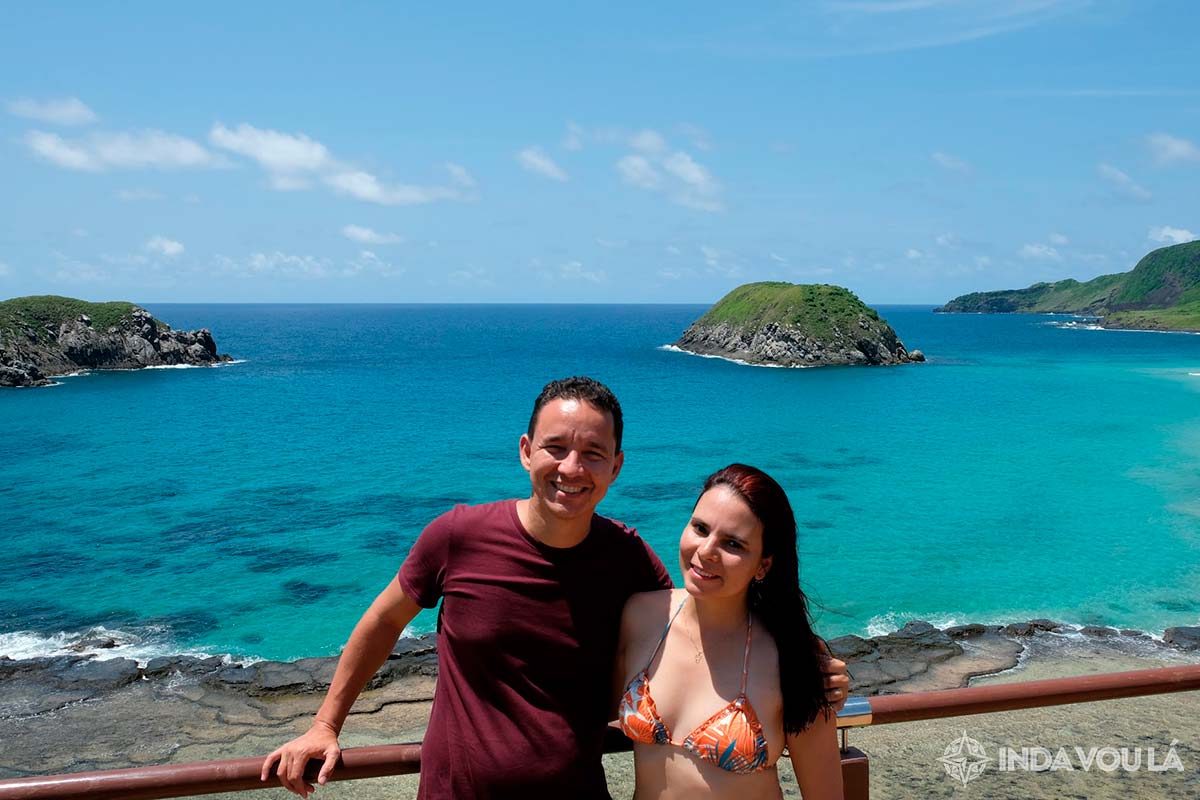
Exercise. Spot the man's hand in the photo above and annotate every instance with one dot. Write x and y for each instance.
(837, 681)
(319, 742)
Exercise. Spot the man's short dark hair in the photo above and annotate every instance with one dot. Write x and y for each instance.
(580, 388)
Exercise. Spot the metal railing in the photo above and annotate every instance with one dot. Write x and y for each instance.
(208, 777)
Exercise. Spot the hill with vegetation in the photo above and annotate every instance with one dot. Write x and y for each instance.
(795, 325)
(48, 335)
(1161, 292)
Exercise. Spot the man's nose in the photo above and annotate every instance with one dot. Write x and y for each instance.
(573, 462)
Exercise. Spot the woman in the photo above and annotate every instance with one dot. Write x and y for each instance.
(722, 675)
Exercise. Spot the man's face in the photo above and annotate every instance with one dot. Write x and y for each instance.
(571, 458)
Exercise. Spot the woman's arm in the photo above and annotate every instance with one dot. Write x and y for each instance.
(816, 759)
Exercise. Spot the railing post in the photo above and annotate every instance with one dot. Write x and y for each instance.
(856, 774)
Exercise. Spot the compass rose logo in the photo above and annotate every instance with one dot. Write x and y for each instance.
(964, 759)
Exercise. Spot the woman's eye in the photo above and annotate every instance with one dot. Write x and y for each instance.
(733, 544)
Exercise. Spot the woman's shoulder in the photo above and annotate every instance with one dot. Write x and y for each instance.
(647, 602)
(648, 610)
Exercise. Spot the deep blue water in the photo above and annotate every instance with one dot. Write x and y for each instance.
(1025, 470)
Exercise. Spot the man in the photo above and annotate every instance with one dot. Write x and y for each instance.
(532, 592)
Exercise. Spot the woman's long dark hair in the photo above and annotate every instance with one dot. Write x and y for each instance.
(777, 600)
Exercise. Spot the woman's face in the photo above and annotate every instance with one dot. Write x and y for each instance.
(720, 551)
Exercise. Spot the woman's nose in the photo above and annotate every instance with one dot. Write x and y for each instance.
(708, 548)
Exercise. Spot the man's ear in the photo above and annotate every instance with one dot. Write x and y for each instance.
(526, 449)
(763, 568)
(618, 462)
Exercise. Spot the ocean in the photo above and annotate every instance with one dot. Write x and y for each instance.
(1033, 467)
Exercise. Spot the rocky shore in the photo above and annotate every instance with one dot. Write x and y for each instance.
(73, 713)
(36, 343)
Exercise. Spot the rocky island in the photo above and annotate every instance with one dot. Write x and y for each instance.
(46, 335)
(1162, 292)
(782, 324)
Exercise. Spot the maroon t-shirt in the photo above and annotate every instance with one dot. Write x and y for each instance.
(527, 638)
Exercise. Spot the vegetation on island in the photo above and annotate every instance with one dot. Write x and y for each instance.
(1162, 292)
(807, 325)
(39, 311)
(818, 309)
(48, 335)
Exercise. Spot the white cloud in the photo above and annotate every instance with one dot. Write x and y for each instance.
(164, 246)
(947, 240)
(286, 265)
(573, 138)
(648, 141)
(460, 176)
(65, 111)
(952, 163)
(1124, 185)
(982, 261)
(912, 254)
(141, 149)
(279, 153)
(5, 270)
(1058, 239)
(574, 270)
(1166, 149)
(1168, 235)
(638, 171)
(536, 161)
(611, 244)
(365, 186)
(133, 195)
(699, 188)
(54, 149)
(473, 277)
(1039, 252)
(673, 250)
(697, 136)
(778, 258)
(368, 262)
(364, 235)
(292, 160)
(720, 261)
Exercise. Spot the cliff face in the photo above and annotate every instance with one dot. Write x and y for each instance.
(1161, 292)
(782, 324)
(36, 345)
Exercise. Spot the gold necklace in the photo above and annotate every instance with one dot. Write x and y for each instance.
(699, 652)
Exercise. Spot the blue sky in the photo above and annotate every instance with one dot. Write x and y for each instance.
(911, 150)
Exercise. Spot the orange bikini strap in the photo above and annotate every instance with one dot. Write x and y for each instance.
(663, 638)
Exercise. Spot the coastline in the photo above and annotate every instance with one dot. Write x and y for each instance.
(77, 713)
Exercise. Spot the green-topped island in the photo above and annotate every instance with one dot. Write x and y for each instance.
(774, 323)
(1162, 292)
(47, 335)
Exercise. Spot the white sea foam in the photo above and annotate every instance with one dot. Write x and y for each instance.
(673, 349)
(141, 646)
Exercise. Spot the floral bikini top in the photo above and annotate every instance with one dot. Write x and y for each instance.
(731, 739)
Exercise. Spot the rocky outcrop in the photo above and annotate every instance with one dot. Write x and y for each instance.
(781, 324)
(32, 351)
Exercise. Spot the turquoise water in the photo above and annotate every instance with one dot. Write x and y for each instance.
(255, 509)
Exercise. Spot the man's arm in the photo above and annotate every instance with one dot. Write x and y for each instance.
(369, 646)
